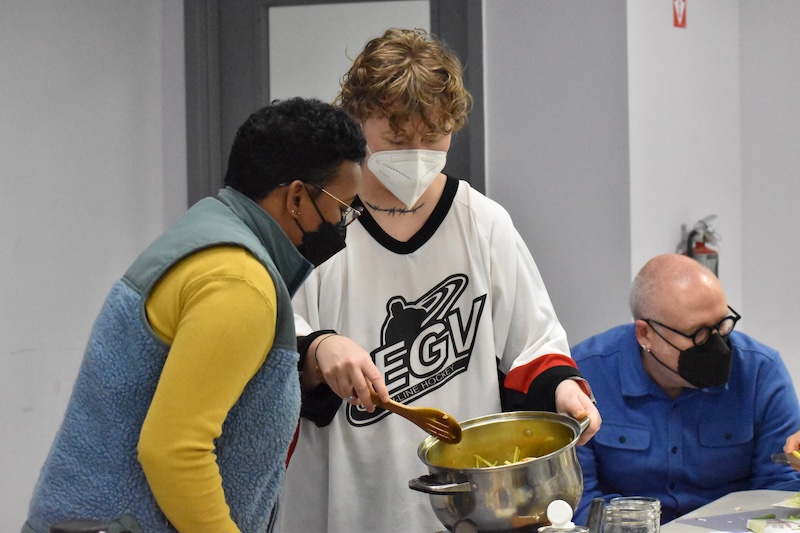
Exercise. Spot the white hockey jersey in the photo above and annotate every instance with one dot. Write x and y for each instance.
(439, 314)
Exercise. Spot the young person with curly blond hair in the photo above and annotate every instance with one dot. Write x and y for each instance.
(436, 301)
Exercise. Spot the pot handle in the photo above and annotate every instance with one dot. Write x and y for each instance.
(433, 484)
(584, 422)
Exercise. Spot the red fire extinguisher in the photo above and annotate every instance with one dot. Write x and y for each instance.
(697, 244)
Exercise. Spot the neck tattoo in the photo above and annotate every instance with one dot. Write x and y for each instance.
(394, 210)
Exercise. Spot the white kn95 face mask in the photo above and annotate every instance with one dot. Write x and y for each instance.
(407, 173)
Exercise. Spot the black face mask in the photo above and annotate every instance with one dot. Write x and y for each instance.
(707, 365)
(323, 243)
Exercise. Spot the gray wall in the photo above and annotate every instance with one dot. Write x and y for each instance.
(557, 148)
(92, 163)
(770, 55)
(685, 131)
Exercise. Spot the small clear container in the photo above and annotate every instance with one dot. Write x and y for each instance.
(655, 503)
(633, 514)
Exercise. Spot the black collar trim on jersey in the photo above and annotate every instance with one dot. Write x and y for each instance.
(423, 235)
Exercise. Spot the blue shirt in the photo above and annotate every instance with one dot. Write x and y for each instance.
(693, 449)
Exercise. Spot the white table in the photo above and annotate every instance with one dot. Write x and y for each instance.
(730, 512)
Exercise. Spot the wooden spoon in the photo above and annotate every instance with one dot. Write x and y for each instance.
(435, 422)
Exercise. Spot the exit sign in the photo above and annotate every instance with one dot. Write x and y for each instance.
(679, 13)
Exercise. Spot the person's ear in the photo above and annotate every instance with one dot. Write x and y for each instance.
(295, 193)
(642, 330)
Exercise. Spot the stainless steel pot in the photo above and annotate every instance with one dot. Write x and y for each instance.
(506, 497)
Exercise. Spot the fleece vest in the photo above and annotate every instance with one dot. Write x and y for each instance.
(92, 471)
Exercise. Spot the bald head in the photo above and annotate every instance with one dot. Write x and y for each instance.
(672, 285)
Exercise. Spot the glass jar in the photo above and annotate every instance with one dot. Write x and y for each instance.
(655, 503)
(633, 514)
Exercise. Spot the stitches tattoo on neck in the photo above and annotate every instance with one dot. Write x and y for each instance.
(393, 210)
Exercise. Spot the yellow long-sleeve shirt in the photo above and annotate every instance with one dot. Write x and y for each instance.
(217, 310)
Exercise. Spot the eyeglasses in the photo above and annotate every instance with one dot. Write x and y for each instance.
(702, 334)
(349, 215)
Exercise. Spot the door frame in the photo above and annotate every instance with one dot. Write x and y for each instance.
(212, 98)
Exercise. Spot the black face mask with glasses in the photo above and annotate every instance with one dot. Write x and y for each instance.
(328, 239)
(708, 362)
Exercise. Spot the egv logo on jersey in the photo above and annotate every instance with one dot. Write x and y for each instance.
(424, 344)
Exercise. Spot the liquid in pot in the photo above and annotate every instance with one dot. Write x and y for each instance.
(497, 443)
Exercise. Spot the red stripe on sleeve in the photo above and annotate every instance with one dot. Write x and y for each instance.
(520, 378)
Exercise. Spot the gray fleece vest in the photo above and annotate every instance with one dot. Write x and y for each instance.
(92, 471)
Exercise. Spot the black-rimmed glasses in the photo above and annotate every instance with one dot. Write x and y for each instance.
(350, 213)
(702, 334)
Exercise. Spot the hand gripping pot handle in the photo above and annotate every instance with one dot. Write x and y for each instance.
(584, 422)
